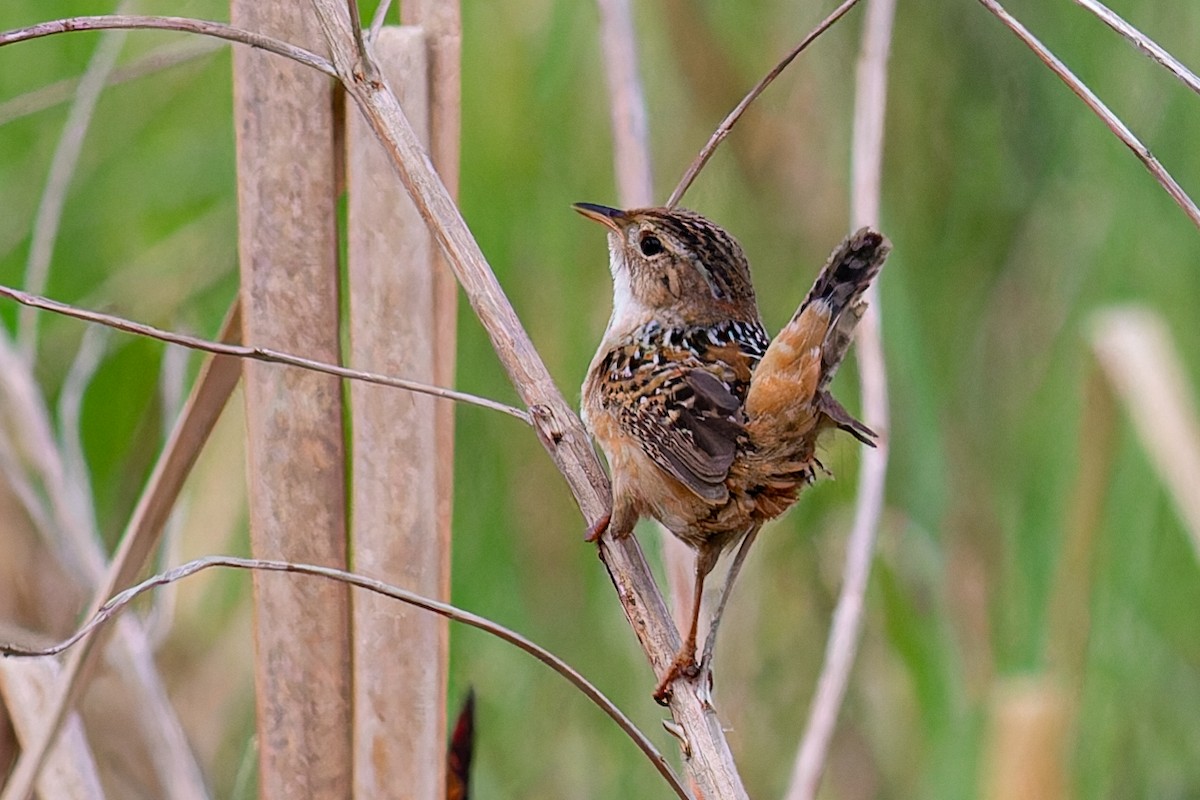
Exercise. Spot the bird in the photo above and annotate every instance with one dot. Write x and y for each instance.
(708, 425)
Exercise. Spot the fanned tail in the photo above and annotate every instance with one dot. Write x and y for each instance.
(788, 402)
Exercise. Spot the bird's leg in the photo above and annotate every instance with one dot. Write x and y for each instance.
(710, 641)
(685, 659)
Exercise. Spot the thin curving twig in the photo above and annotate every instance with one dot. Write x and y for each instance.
(846, 628)
(255, 353)
(1099, 109)
(184, 24)
(58, 181)
(1142, 42)
(727, 124)
(589, 690)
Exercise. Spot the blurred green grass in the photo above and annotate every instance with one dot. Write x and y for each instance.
(1014, 215)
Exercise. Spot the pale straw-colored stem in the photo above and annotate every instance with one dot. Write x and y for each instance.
(846, 627)
(1089, 98)
(62, 168)
(1142, 42)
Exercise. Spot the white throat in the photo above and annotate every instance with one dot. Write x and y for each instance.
(628, 312)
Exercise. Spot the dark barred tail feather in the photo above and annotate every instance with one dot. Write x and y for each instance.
(788, 404)
(849, 271)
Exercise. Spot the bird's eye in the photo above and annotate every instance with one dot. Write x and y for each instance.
(650, 245)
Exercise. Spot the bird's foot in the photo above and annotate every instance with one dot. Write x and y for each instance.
(597, 530)
(685, 666)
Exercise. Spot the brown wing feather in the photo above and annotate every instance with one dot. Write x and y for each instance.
(686, 433)
(679, 394)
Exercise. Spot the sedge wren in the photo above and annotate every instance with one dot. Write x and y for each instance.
(709, 426)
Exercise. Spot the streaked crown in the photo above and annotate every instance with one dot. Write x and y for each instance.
(675, 266)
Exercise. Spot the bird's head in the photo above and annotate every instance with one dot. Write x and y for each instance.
(674, 266)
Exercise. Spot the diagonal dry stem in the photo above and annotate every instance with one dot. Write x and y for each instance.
(1142, 42)
(709, 763)
(1089, 98)
(1140, 360)
(727, 124)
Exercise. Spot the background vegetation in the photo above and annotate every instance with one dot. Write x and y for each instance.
(1014, 214)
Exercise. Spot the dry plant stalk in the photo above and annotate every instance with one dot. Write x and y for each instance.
(70, 769)
(288, 254)
(1142, 42)
(441, 22)
(846, 628)
(399, 733)
(1025, 756)
(1135, 350)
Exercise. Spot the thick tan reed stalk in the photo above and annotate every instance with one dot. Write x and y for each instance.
(288, 253)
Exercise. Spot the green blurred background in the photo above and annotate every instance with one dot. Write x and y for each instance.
(1014, 215)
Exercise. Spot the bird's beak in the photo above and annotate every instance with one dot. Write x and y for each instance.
(612, 217)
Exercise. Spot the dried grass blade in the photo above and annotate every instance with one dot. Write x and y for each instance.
(1138, 357)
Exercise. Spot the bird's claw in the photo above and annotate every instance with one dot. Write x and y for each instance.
(596, 530)
(684, 666)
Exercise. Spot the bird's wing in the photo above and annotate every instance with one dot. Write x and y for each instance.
(682, 401)
(686, 420)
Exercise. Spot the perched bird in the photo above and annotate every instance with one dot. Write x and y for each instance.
(708, 426)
